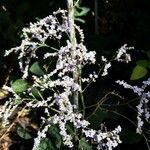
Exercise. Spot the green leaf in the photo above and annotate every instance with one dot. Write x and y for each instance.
(46, 144)
(82, 11)
(36, 69)
(143, 63)
(54, 133)
(97, 118)
(84, 145)
(19, 86)
(23, 133)
(70, 128)
(138, 72)
(130, 137)
(36, 92)
(80, 20)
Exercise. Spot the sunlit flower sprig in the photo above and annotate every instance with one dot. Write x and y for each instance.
(59, 81)
(143, 112)
(121, 55)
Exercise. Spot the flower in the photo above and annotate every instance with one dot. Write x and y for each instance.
(106, 67)
(122, 52)
(142, 107)
(59, 84)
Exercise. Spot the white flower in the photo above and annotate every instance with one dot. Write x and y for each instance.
(107, 66)
(40, 135)
(49, 55)
(103, 59)
(142, 107)
(90, 133)
(60, 81)
(122, 54)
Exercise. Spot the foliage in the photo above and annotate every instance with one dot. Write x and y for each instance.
(59, 84)
(19, 86)
(140, 70)
(23, 133)
(80, 12)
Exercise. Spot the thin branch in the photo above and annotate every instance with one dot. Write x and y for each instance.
(73, 41)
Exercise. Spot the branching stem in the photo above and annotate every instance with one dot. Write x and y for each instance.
(76, 73)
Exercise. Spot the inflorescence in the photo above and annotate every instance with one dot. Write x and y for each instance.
(60, 80)
(142, 108)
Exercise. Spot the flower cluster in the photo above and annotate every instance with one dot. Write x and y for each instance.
(121, 56)
(59, 82)
(7, 111)
(112, 138)
(142, 107)
(9, 107)
(36, 35)
(40, 136)
(107, 66)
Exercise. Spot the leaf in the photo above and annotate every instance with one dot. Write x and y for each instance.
(97, 118)
(70, 128)
(19, 86)
(80, 20)
(54, 133)
(36, 69)
(46, 144)
(138, 72)
(82, 11)
(79, 12)
(36, 92)
(23, 133)
(143, 63)
(84, 145)
(130, 137)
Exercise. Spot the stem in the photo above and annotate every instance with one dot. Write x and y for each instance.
(81, 96)
(71, 21)
(73, 41)
(96, 16)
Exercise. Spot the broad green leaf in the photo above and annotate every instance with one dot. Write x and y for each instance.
(143, 63)
(36, 69)
(36, 92)
(84, 145)
(54, 133)
(70, 128)
(46, 144)
(23, 133)
(53, 130)
(138, 72)
(19, 86)
(97, 118)
(130, 137)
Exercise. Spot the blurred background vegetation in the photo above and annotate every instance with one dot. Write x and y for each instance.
(107, 24)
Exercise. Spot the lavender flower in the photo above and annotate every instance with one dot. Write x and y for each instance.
(142, 107)
(69, 58)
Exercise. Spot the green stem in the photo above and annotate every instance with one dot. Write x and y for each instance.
(81, 95)
(73, 41)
